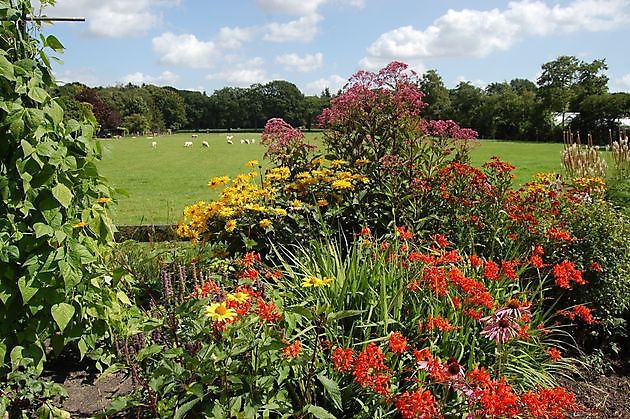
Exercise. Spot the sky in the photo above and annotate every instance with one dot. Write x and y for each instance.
(207, 45)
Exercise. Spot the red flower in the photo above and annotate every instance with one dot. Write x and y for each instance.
(397, 343)
(560, 235)
(475, 261)
(404, 233)
(580, 312)
(417, 404)
(565, 272)
(498, 400)
(366, 232)
(595, 267)
(292, 350)
(553, 403)
(554, 354)
(509, 269)
(250, 273)
(440, 240)
(268, 312)
(342, 359)
(440, 323)
(491, 270)
(536, 261)
(250, 258)
(370, 370)
(436, 278)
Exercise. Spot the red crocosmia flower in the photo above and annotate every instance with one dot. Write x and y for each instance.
(417, 404)
(384, 246)
(366, 232)
(397, 343)
(580, 312)
(478, 378)
(595, 267)
(491, 270)
(268, 312)
(273, 274)
(498, 400)
(417, 256)
(536, 261)
(538, 251)
(473, 314)
(292, 350)
(512, 237)
(475, 261)
(343, 359)
(456, 302)
(440, 323)
(250, 258)
(435, 277)
(440, 240)
(404, 233)
(208, 288)
(565, 272)
(250, 273)
(554, 354)
(369, 370)
(541, 328)
(451, 256)
(508, 268)
(560, 235)
(553, 403)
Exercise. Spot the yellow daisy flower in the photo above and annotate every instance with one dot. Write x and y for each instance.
(239, 297)
(322, 202)
(252, 163)
(217, 181)
(220, 312)
(264, 223)
(230, 226)
(103, 200)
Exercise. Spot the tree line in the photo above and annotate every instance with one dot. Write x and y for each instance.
(568, 94)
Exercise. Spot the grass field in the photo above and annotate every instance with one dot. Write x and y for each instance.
(162, 180)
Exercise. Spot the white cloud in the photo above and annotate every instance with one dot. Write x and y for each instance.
(242, 74)
(478, 33)
(185, 50)
(303, 29)
(293, 7)
(167, 78)
(114, 18)
(621, 84)
(234, 37)
(477, 82)
(85, 75)
(294, 62)
(333, 83)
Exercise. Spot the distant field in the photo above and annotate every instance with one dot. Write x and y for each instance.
(161, 181)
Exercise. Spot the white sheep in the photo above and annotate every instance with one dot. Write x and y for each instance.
(247, 141)
(188, 144)
(194, 136)
(242, 141)
(230, 142)
(253, 141)
(205, 144)
(154, 144)
(229, 137)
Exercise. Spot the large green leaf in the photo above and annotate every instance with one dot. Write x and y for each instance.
(62, 194)
(320, 412)
(53, 42)
(6, 68)
(38, 94)
(26, 289)
(62, 313)
(332, 388)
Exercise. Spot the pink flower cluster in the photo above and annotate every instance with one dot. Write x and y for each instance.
(447, 129)
(283, 141)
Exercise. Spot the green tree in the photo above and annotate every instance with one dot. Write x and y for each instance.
(436, 96)
(282, 99)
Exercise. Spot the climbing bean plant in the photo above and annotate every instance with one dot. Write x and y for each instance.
(55, 231)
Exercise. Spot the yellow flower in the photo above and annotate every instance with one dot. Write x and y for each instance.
(103, 200)
(322, 202)
(337, 163)
(220, 312)
(280, 211)
(230, 226)
(313, 281)
(252, 163)
(264, 223)
(361, 162)
(296, 204)
(217, 181)
(239, 297)
(342, 184)
(80, 224)
(255, 207)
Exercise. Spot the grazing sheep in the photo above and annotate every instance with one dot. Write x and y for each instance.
(195, 136)
(229, 138)
(247, 141)
(205, 144)
(154, 144)
(188, 144)
(242, 141)
(230, 142)
(253, 141)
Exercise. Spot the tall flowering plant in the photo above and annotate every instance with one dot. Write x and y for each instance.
(285, 145)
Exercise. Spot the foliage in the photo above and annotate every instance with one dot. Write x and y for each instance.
(54, 229)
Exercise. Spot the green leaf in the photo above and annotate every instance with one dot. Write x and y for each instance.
(56, 112)
(38, 94)
(62, 194)
(27, 148)
(26, 290)
(320, 412)
(6, 68)
(181, 410)
(123, 297)
(62, 313)
(332, 388)
(17, 127)
(338, 315)
(53, 42)
(70, 276)
(42, 229)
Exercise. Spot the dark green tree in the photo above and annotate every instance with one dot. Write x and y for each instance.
(436, 96)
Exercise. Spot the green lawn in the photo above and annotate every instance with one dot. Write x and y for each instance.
(162, 180)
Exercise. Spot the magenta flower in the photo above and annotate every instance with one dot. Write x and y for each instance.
(500, 329)
(513, 309)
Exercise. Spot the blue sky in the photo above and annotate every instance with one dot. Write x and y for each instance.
(207, 45)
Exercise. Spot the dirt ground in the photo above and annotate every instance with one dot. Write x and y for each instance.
(605, 392)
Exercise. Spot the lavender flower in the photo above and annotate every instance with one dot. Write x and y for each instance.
(500, 329)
